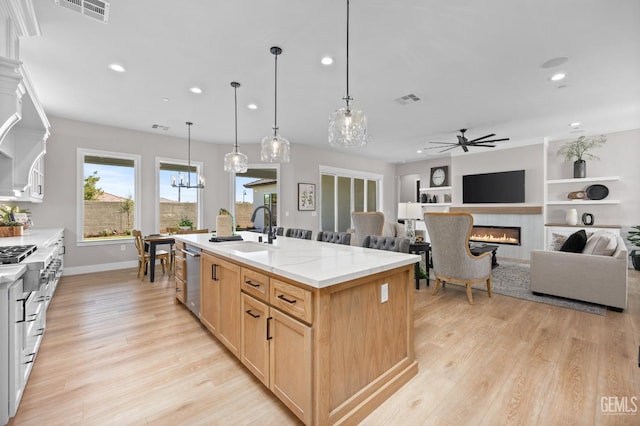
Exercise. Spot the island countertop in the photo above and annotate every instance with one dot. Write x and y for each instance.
(314, 263)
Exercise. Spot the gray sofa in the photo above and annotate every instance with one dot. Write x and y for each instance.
(587, 277)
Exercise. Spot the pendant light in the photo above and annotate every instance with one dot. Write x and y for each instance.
(179, 182)
(347, 126)
(275, 149)
(235, 161)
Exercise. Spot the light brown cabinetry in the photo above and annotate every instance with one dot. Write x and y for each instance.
(180, 272)
(278, 350)
(220, 300)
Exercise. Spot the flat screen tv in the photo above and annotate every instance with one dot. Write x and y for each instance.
(501, 187)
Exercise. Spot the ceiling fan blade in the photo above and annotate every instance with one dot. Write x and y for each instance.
(449, 149)
(494, 140)
(445, 143)
(482, 144)
(484, 137)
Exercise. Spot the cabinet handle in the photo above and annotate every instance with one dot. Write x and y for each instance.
(214, 272)
(269, 337)
(286, 300)
(252, 284)
(252, 314)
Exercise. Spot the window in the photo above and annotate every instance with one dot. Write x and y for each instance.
(108, 187)
(259, 186)
(175, 203)
(345, 191)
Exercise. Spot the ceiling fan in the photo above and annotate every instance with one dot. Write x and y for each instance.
(465, 143)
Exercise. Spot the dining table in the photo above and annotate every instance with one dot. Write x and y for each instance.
(155, 240)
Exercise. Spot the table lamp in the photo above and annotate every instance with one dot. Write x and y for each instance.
(410, 212)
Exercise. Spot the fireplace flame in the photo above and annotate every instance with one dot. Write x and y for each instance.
(489, 238)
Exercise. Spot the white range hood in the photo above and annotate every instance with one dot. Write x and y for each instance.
(24, 127)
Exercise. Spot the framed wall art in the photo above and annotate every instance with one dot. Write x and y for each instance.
(306, 196)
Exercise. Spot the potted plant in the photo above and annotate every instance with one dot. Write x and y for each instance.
(578, 150)
(8, 226)
(634, 239)
(185, 223)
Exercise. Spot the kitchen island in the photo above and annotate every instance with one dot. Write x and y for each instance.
(327, 328)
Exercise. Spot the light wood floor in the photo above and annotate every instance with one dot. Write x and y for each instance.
(119, 351)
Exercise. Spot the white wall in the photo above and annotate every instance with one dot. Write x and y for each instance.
(59, 206)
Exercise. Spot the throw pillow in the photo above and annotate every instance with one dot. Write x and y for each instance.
(576, 242)
(557, 240)
(601, 243)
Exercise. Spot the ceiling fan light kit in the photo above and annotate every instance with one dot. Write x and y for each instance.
(347, 126)
(465, 143)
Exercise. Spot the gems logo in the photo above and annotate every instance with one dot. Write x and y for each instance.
(619, 405)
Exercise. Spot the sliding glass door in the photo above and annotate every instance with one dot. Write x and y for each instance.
(344, 191)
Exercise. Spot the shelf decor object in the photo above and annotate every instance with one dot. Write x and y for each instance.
(179, 182)
(579, 150)
(347, 126)
(275, 149)
(572, 217)
(235, 161)
(597, 192)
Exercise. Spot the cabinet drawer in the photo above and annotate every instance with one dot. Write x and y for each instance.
(255, 283)
(293, 300)
(181, 288)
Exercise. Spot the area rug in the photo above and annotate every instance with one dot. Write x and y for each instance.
(512, 279)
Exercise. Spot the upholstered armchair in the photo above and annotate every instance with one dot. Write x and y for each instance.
(334, 237)
(453, 262)
(366, 223)
(400, 244)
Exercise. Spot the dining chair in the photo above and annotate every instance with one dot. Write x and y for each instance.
(144, 257)
(366, 223)
(303, 234)
(453, 261)
(334, 237)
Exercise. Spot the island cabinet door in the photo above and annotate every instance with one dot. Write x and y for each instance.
(254, 348)
(209, 293)
(227, 303)
(290, 360)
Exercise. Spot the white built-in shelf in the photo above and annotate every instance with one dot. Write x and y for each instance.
(590, 179)
(578, 202)
(436, 188)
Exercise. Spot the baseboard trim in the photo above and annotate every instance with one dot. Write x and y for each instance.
(101, 267)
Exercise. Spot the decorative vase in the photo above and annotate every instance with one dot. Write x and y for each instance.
(635, 259)
(572, 217)
(587, 219)
(579, 169)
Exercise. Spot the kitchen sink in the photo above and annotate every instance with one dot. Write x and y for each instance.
(250, 246)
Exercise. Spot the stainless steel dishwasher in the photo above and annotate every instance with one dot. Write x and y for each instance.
(192, 256)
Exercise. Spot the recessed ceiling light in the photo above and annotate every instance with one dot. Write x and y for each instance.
(195, 90)
(252, 106)
(116, 68)
(557, 77)
(165, 99)
(576, 124)
(419, 151)
(327, 60)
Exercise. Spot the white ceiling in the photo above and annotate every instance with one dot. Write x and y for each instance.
(476, 65)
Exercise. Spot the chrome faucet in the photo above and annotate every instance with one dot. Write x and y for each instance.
(253, 218)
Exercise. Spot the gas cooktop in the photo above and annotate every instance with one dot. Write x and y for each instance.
(15, 254)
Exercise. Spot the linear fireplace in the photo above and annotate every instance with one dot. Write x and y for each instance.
(496, 234)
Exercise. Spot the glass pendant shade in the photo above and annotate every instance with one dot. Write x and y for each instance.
(236, 162)
(274, 149)
(347, 128)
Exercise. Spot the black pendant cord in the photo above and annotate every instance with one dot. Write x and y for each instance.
(348, 98)
(189, 153)
(235, 95)
(275, 102)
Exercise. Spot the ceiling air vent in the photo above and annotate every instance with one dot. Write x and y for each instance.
(160, 127)
(95, 9)
(408, 99)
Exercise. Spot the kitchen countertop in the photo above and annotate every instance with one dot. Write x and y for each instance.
(314, 263)
(40, 237)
